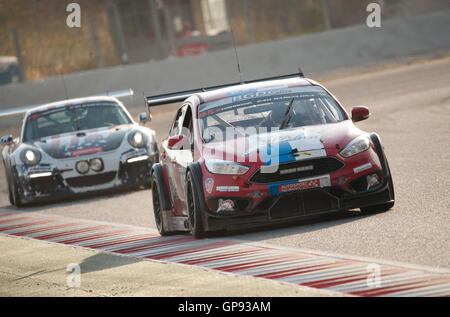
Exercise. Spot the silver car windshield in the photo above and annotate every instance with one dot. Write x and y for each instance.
(74, 118)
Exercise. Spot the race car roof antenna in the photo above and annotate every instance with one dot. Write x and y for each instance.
(237, 58)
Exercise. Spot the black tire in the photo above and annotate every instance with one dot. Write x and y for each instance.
(10, 195)
(158, 207)
(11, 198)
(16, 199)
(386, 206)
(195, 213)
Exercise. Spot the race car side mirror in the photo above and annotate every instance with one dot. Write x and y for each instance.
(360, 113)
(144, 117)
(6, 140)
(177, 142)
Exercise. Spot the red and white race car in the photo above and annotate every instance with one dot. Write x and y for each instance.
(271, 150)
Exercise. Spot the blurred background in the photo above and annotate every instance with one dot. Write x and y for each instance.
(36, 42)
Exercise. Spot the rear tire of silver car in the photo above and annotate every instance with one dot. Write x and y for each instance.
(10, 195)
(11, 198)
(195, 216)
(157, 207)
(15, 196)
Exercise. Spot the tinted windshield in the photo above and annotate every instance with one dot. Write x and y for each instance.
(269, 109)
(74, 118)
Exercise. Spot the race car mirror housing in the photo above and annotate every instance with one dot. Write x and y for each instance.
(360, 113)
(6, 140)
(177, 142)
(144, 117)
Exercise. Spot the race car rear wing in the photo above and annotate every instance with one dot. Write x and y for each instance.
(159, 100)
(20, 110)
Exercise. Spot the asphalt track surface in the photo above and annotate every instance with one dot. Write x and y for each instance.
(410, 108)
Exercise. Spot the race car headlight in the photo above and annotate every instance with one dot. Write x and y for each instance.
(226, 168)
(136, 139)
(30, 156)
(82, 167)
(358, 145)
(96, 164)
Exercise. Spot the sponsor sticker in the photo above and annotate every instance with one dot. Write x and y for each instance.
(340, 181)
(87, 151)
(227, 189)
(362, 168)
(209, 184)
(305, 184)
(36, 116)
(299, 186)
(372, 181)
(225, 205)
(256, 194)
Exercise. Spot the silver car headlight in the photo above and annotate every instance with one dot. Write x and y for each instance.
(96, 164)
(225, 167)
(30, 156)
(358, 145)
(136, 139)
(82, 167)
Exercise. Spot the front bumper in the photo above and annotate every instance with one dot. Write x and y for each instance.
(283, 201)
(47, 181)
(296, 206)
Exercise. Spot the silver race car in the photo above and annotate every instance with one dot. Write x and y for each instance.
(77, 146)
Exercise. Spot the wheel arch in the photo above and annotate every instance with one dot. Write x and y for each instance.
(384, 163)
(197, 177)
(195, 170)
(376, 140)
(7, 164)
(157, 171)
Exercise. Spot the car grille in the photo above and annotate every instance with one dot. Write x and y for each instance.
(304, 203)
(45, 185)
(91, 180)
(304, 169)
(138, 170)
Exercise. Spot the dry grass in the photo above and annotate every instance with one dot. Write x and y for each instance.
(49, 46)
(271, 20)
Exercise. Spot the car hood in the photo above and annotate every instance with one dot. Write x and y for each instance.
(286, 145)
(83, 142)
